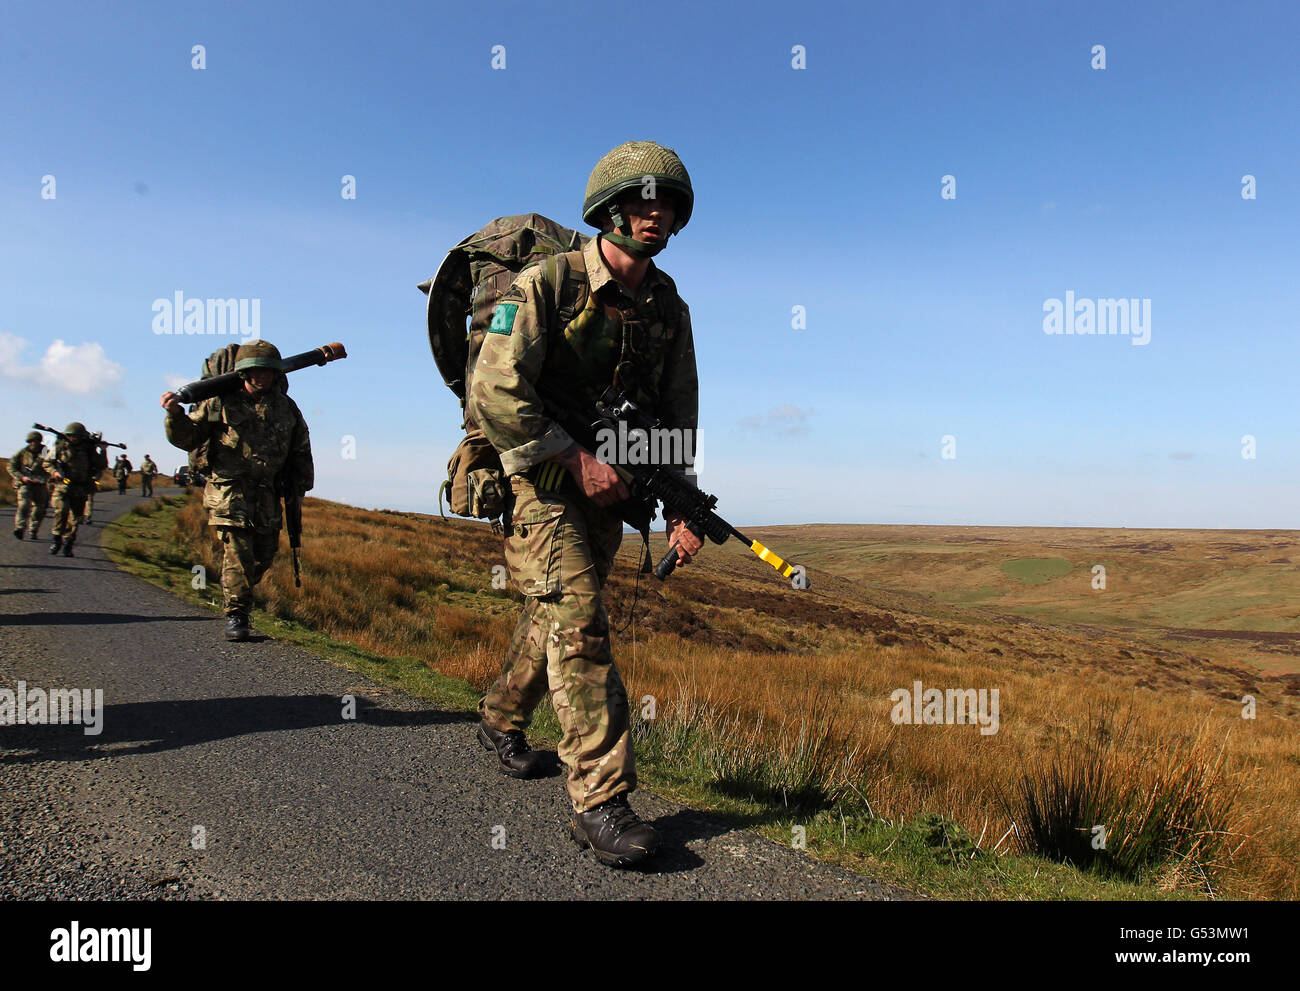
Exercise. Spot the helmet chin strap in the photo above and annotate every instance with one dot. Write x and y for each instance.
(622, 236)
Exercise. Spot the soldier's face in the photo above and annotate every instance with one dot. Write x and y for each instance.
(259, 380)
(34, 446)
(651, 219)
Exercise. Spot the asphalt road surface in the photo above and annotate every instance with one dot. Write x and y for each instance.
(227, 771)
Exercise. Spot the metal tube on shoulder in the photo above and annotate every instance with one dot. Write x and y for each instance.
(196, 392)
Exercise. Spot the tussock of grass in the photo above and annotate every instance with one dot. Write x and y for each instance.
(1165, 807)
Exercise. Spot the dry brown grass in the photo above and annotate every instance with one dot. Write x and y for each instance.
(8, 496)
(804, 719)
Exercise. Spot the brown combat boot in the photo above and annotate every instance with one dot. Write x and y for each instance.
(512, 750)
(615, 834)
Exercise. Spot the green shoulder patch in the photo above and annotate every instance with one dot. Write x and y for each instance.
(503, 318)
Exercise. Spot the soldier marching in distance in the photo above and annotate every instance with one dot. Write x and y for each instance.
(147, 472)
(77, 462)
(121, 472)
(31, 479)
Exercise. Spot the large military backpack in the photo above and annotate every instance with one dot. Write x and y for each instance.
(220, 362)
(466, 287)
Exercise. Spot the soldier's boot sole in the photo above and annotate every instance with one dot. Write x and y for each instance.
(57, 545)
(626, 859)
(523, 773)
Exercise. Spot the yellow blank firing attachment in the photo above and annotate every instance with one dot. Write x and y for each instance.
(765, 555)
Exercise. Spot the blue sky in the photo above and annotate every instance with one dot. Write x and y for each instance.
(816, 187)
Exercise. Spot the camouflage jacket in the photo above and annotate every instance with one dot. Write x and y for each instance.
(527, 349)
(147, 468)
(79, 463)
(29, 464)
(249, 440)
(121, 468)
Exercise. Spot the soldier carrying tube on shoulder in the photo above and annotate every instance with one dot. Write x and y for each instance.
(256, 439)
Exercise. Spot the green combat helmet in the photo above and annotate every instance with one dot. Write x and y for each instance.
(34, 436)
(258, 354)
(75, 429)
(627, 168)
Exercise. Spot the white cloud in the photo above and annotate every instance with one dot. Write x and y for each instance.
(788, 420)
(175, 381)
(80, 369)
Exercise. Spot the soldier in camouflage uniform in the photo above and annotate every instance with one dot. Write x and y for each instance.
(147, 472)
(563, 525)
(88, 514)
(78, 461)
(251, 436)
(31, 486)
(121, 471)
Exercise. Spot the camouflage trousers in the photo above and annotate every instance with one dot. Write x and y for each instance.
(32, 503)
(89, 511)
(146, 485)
(560, 547)
(68, 506)
(247, 555)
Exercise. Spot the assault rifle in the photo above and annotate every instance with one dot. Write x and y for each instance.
(651, 483)
(196, 392)
(96, 439)
(286, 486)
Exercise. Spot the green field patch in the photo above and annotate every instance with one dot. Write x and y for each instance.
(1036, 570)
(980, 594)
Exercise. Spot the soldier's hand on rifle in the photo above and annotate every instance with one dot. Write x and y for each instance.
(598, 481)
(171, 404)
(688, 545)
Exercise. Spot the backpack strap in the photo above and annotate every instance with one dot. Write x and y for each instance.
(571, 295)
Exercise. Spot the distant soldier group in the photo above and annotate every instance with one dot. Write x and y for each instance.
(64, 481)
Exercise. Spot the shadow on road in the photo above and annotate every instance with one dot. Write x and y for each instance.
(50, 567)
(90, 619)
(150, 727)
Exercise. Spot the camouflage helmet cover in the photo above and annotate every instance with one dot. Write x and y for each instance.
(258, 354)
(75, 429)
(34, 435)
(626, 168)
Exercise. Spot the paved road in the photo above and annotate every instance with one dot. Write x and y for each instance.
(248, 742)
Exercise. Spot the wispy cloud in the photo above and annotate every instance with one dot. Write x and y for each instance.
(784, 420)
